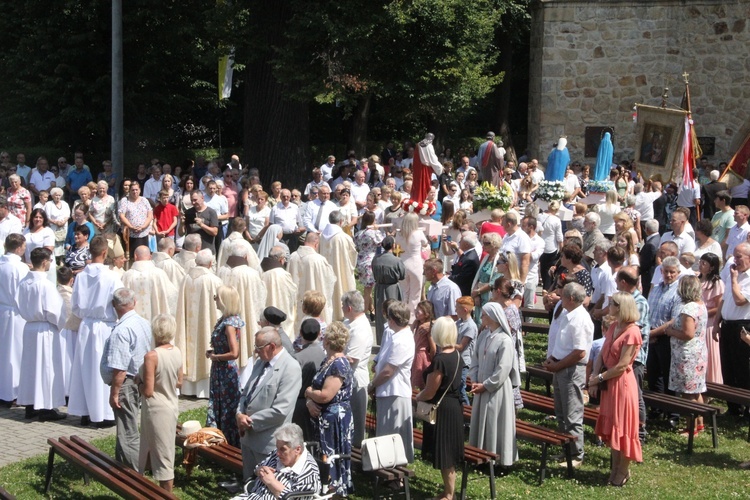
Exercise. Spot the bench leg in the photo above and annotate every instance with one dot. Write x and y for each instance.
(407, 494)
(548, 385)
(567, 449)
(691, 429)
(543, 468)
(50, 464)
(492, 479)
(714, 433)
(528, 381)
(464, 480)
(375, 493)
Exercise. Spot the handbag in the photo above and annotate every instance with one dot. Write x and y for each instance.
(427, 412)
(383, 452)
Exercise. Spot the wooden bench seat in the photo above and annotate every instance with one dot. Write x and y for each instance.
(539, 372)
(121, 479)
(545, 404)
(689, 409)
(729, 394)
(4, 495)
(533, 312)
(528, 327)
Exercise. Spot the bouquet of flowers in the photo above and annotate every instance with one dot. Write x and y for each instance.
(551, 190)
(488, 196)
(426, 208)
(601, 186)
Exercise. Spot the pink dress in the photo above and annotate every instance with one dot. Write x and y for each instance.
(422, 358)
(617, 424)
(712, 294)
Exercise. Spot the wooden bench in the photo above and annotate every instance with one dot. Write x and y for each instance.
(729, 394)
(689, 409)
(4, 495)
(121, 479)
(539, 372)
(545, 404)
(400, 473)
(528, 327)
(533, 312)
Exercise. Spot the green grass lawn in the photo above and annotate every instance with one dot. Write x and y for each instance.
(667, 471)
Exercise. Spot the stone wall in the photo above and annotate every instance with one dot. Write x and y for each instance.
(592, 61)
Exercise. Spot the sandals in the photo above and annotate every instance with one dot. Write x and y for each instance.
(698, 430)
(621, 483)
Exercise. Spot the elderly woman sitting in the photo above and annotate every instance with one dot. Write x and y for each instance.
(288, 469)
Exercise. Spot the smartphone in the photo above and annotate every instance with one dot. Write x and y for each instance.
(448, 238)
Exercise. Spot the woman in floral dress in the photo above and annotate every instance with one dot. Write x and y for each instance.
(224, 392)
(503, 293)
(102, 210)
(367, 242)
(687, 372)
(328, 401)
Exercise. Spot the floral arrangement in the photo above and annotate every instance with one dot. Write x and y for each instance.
(413, 206)
(601, 186)
(488, 196)
(551, 190)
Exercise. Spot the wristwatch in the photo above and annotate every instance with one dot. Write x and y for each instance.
(600, 378)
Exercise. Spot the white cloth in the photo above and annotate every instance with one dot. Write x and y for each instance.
(68, 337)
(186, 259)
(537, 249)
(714, 248)
(576, 332)
(738, 191)
(644, 203)
(42, 381)
(684, 242)
(151, 189)
(42, 181)
(154, 292)
(92, 302)
(281, 292)
(237, 239)
(607, 215)
(552, 233)
(12, 271)
(737, 234)
(360, 348)
(248, 283)
(174, 271)
(397, 350)
(599, 275)
(360, 192)
(518, 243)
(256, 220)
(729, 310)
(312, 215)
(311, 271)
(686, 196)
(339, 250)
(9, 225)
(286, 217)
(220, 205)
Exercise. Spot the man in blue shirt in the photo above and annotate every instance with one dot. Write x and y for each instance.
(76, 178)
(662, 301)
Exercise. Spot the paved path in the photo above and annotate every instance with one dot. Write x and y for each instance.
(27, 438)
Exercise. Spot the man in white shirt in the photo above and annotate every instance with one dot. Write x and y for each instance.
(572, 185)
(740, 193)
(327, 168)
(360, 190)
(9, 223)
(644, 202)
(286, 215)
(153, 186)
(669, 249)
(567, 355)
(517, 242)
(407, 162)
(536, 174)
(234, 164)
(738, 233)
(41, 179)
(358, 353)
(528, 225)
(315, 215)
(733, 317)
(690, 197)
(684, 242)
(317, 181)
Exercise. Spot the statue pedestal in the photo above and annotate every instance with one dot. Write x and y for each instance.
(593, 199)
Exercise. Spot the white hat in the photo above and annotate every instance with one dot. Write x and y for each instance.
(190, 427)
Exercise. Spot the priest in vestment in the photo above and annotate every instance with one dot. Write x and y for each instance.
(311, 271)
(92, 302)
(281, 289)
(42, 385)
(190, 248)
(491, 160)
(115, 260)
(154, 292)
(339, 250)
(163, 259)
(12, 271)
(196, 318)
(239, 226)
(252, 291)
(68, 337)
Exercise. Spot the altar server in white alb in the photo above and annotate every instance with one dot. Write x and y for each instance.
(92, 302)
(42, 385)
(12, 271)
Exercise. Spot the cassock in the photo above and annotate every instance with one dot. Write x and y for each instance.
(42, 383)
(12, 271)
(388, 270)
(186, 259)
(236, 238)
(311, 271)
(339, 250)
(92, 302)
(252, 290)
(68, 337)
(174, 271)
(196, 317)
(154, 292)
(282, 293)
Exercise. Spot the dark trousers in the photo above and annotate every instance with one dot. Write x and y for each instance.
(639, 370)
(135, 243)
(657, 365)
(291, 240)
(546, 261)
(735, 357)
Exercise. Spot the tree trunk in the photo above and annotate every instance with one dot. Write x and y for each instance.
(356, 133)
(505, 63)
(276, 131)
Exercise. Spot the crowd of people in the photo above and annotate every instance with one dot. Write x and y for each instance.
(116, 294)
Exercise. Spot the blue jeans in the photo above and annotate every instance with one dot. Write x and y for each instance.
(463, 396)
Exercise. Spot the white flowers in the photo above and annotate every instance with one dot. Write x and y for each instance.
(551, 190)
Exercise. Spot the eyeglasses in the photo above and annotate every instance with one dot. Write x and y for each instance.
(259, 347)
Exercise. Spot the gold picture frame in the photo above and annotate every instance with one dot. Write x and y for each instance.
(659, 137)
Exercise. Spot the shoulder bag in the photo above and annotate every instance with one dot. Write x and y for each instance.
(427, 412)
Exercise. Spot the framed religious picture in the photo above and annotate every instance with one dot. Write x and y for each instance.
(659, 137)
